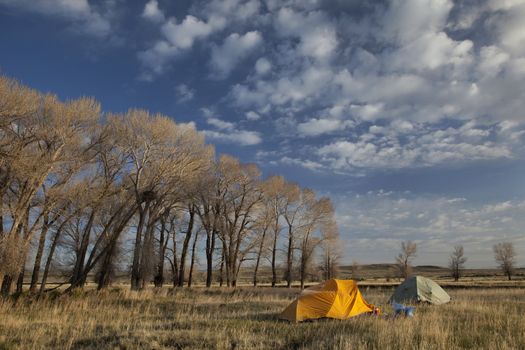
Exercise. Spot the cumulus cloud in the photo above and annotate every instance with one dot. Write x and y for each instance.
(184, 93)
(315, 30)
(152, 12)
(402, 62)
(235, 47)
(316, 127)
(177, 37)
(220, 124)
(83, 17)
(307, 164)
(240, 137)
(387, 147)
(263, 66)
(251, 115)
(228, 132)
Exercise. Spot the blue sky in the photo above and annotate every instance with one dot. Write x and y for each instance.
(409, 114)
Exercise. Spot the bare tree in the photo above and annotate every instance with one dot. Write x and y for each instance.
(276, 198)
(292, 208)
(457, 262)
(505, 256)
(192, 261)
(261, 227)
(36, 139)
(242, 195)
(331, 251)
(316, 214)
(404, 259)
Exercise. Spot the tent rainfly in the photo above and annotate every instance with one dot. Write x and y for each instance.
(339, 299)
(420, 289)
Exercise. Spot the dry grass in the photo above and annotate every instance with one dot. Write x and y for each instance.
(247, 319)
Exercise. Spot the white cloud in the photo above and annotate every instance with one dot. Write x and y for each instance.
(431, 51)
(233, 10)
(220, 124)
(152, 12)
(251, 115)
(307, 164)
(241, 137)
(407, 20)
(318, 38)
(82, 16)
(491, 61)
(228, 132)
(177, 38)
(512, 27)
(184, 93)
(156, 58)
(234, 48)
(182, 35)
(386, 148)
(316, 127)
(263, 66)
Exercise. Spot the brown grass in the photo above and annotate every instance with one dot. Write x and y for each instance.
(246, 318)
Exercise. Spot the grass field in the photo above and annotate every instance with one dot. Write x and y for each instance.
(246, 318)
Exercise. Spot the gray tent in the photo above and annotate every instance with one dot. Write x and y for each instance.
(420, 289)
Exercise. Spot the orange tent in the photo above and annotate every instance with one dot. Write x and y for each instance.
(339, 299)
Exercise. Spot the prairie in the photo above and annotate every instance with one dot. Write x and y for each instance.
(247, 318)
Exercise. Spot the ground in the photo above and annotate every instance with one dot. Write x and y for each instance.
(247, 318)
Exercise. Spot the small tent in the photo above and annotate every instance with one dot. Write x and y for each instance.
(339, 299)
(420, 289)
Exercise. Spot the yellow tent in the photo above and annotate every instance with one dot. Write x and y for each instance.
(339, 299)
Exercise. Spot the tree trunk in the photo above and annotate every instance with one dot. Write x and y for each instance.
(303, 270)
(159, 276)
(135, 275)
(190, 277)
(221, 270)
(210, 247)
(174, 264)
(39, 254)
(50, 258)
(185, 246)
(76, 278)
(104, 277)
(146, 260)
(20, 280)
(7, 282)
(259, 253)
(289, 258)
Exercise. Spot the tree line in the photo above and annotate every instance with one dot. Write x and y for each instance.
(98, 192)
(504, 254)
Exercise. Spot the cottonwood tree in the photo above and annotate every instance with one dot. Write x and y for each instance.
(331, 251)
(276, 198)
(316, 214)
(242, 194)
(404, 259)
(292, 208)
(457, 262)
(45, 135)
(505, 256)
(261, 227)
(163, 158)
(209, 208)
(80, 184)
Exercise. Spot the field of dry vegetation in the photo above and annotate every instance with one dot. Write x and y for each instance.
(247, 318)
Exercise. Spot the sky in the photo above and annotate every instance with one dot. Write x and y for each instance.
(408, 114)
